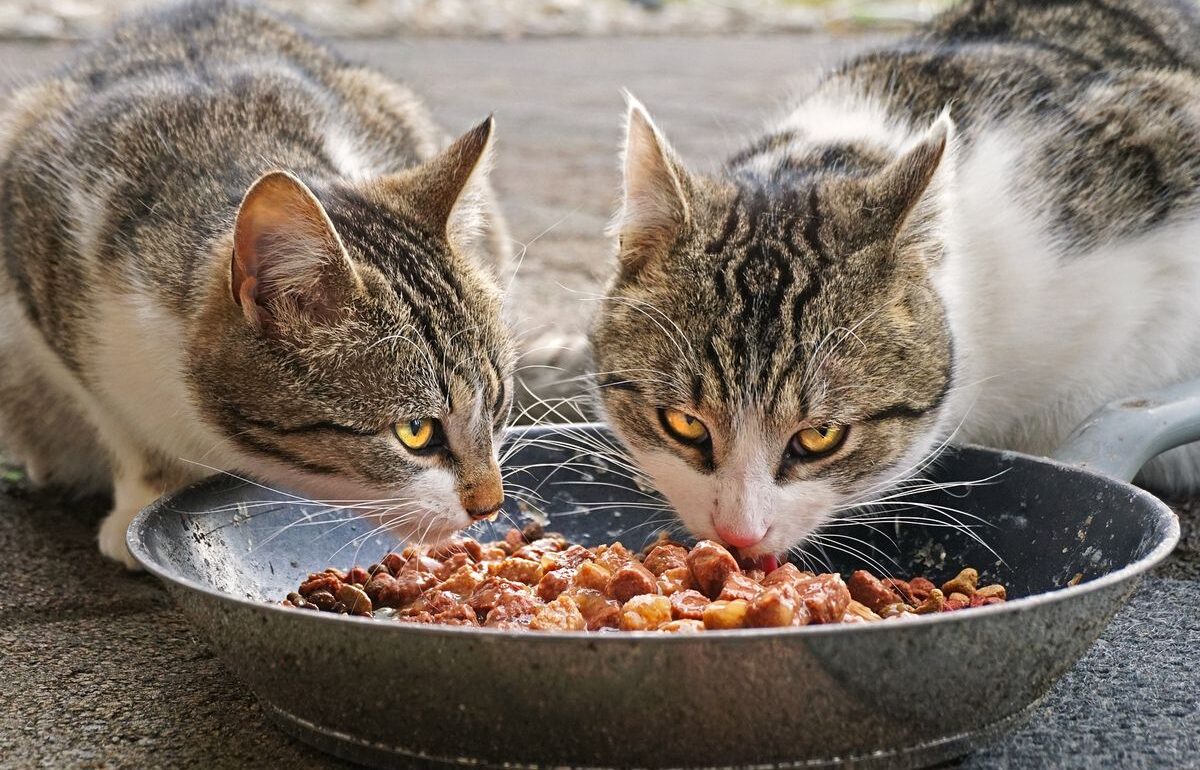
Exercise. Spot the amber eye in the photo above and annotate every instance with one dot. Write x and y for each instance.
(683, 426)
(818, 441)
(416, 434)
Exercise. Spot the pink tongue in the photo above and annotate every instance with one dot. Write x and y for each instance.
(768, 563)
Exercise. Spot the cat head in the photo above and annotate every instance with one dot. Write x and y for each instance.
(353, 347)
(772, 349)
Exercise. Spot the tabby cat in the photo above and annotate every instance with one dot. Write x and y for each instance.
(224, 247)
(981, 233)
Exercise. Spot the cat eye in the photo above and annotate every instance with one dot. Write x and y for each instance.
(682, 426)
(821, 440)
(421, 433)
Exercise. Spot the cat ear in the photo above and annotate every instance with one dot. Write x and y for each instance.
(288, 262)
(654, 208)
(448, 193)
(908, 196)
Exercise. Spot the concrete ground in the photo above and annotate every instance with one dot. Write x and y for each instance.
(97, 668)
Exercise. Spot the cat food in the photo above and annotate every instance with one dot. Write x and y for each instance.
(538, 581)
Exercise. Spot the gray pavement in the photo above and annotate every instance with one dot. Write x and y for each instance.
(97, 669)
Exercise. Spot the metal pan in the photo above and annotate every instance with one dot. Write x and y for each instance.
(895, 694)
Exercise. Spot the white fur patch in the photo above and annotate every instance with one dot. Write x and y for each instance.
(1044, 339)
(347, 155)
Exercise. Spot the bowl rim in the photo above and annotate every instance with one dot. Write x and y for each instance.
(1167, 543)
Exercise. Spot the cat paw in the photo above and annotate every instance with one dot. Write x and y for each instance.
(112, 539)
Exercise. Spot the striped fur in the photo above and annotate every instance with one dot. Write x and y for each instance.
(138, 352)
(986, 231)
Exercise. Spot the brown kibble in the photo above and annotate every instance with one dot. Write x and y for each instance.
(320, 582)
(722, 615)
(493, 553)
(562, 614)
(1076, 579)
(894, 610)
(457, 545)
(570, 558)
(740, 586)
(383, 590)
(933, 603)
(491, 592)
(598, 610)
(533, 530)
(514, 539)
(993, 591)
(592, 575)
(964, 583)
(826, 597)
(412, 583)
(538, 548)
(688, 605)
(521, 570)
(546, 583)
(786, 573)
(356, 601)
(870, 591)
(920, 589)
(455, 562)
(322, 600)
(613, 557)
(772, 608)
(434, 601)
(857, 612)
(463, 581)
(645, 612)
(664, 557)
(630, 580)
(682, 627)
(711, 564)
(554, 583)
(675, 580)
(901, 587)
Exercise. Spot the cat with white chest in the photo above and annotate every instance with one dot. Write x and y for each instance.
(981, 234)
(226, 248)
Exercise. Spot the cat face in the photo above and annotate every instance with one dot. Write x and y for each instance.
(772, 349)
(353, 350)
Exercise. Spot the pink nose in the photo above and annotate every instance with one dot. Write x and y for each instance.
(738, 539)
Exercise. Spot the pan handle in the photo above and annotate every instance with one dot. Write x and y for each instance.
(1118, 439)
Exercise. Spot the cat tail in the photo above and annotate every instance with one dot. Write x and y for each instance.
(554, 383)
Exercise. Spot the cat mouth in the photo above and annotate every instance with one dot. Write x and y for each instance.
(767, 562)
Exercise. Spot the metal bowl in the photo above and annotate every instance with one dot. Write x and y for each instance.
(899, 693)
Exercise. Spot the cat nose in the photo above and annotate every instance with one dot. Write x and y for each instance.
(738, 539)
(477, 512)
(484, 498)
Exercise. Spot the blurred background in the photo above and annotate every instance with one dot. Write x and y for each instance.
(713, 72)
(508, 18)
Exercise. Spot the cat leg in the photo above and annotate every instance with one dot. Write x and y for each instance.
(43, 425)
(139, 479)
(134, 487)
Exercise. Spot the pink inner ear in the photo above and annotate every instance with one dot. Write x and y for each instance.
(243, 277)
